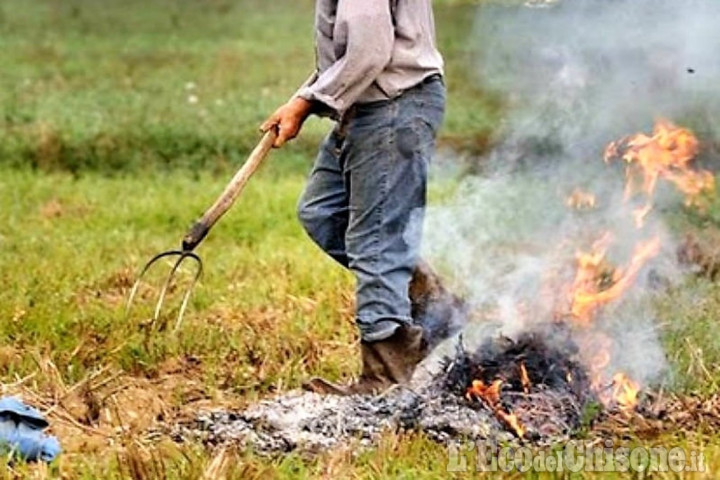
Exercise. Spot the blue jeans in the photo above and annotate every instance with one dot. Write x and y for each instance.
(364, 202)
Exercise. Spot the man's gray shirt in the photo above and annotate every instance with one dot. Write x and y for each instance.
(369, 50)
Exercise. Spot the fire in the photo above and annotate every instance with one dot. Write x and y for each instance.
(625, 391)
(640, 213)
(524, 378)
(581, 200)
(666, 154)
(512, 422)
(590, 277)
(491, 396)
(595, 285)
(596, 352)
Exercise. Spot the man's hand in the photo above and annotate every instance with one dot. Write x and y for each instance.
(288, 120)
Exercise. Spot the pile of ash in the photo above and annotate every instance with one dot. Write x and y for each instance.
(537, 384)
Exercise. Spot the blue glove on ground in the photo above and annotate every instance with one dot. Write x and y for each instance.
(21, 432)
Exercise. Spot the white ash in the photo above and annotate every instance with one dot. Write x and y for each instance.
(310, 423)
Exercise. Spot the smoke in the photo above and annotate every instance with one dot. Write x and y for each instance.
(583, 72)
(576, 75)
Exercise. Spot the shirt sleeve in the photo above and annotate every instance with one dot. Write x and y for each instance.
(368, 31)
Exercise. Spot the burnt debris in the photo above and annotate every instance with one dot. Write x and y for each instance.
(548, 360)
(542, 401)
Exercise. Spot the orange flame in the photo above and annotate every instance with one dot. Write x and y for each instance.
(491, 396)
(596, 352)
(597, 285)
(524, 378)
(639, 214)
(590, 291)
(623, 393)
(581, 200)
(666, 154)
(511, 421)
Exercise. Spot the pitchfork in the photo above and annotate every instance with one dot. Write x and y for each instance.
(199, 231)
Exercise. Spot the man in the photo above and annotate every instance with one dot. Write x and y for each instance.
(378, 75)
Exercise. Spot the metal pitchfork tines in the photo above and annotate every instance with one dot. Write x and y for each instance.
(199, 231)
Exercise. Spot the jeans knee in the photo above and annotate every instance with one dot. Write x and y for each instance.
(308, 217)
(316, 224)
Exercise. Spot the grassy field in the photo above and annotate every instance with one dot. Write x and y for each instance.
(121, 121)
(118, 85)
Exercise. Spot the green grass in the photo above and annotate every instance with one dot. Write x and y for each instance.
(122, 85)
(104, 161)
(76, 242)
(270, 312)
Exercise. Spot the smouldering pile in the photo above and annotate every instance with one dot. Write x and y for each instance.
(547, 405)
(535, 388)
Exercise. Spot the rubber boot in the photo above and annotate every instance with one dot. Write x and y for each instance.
(384, 364)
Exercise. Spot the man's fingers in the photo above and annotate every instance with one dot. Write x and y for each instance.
(287, 130)
(282, 137)
(270, 123)
(267, 125)
(287, 124)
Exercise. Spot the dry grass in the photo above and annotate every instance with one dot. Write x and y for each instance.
(104, 86)
(270, 312)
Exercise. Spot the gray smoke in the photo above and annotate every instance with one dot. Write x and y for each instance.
(576, 75)
(583, 72)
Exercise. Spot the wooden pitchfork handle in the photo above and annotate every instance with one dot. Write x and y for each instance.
(202, 227)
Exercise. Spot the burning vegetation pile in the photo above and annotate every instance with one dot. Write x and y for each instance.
(535, 389)
(537, 382)
(570, 354)
(545, 390)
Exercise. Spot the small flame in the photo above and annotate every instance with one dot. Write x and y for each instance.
(596, 350)
(639, 214)
(666, 154)
(624, 392)
(491, 396)
(581, 200)
(512, 422)
(524, 378)
(595, 286)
